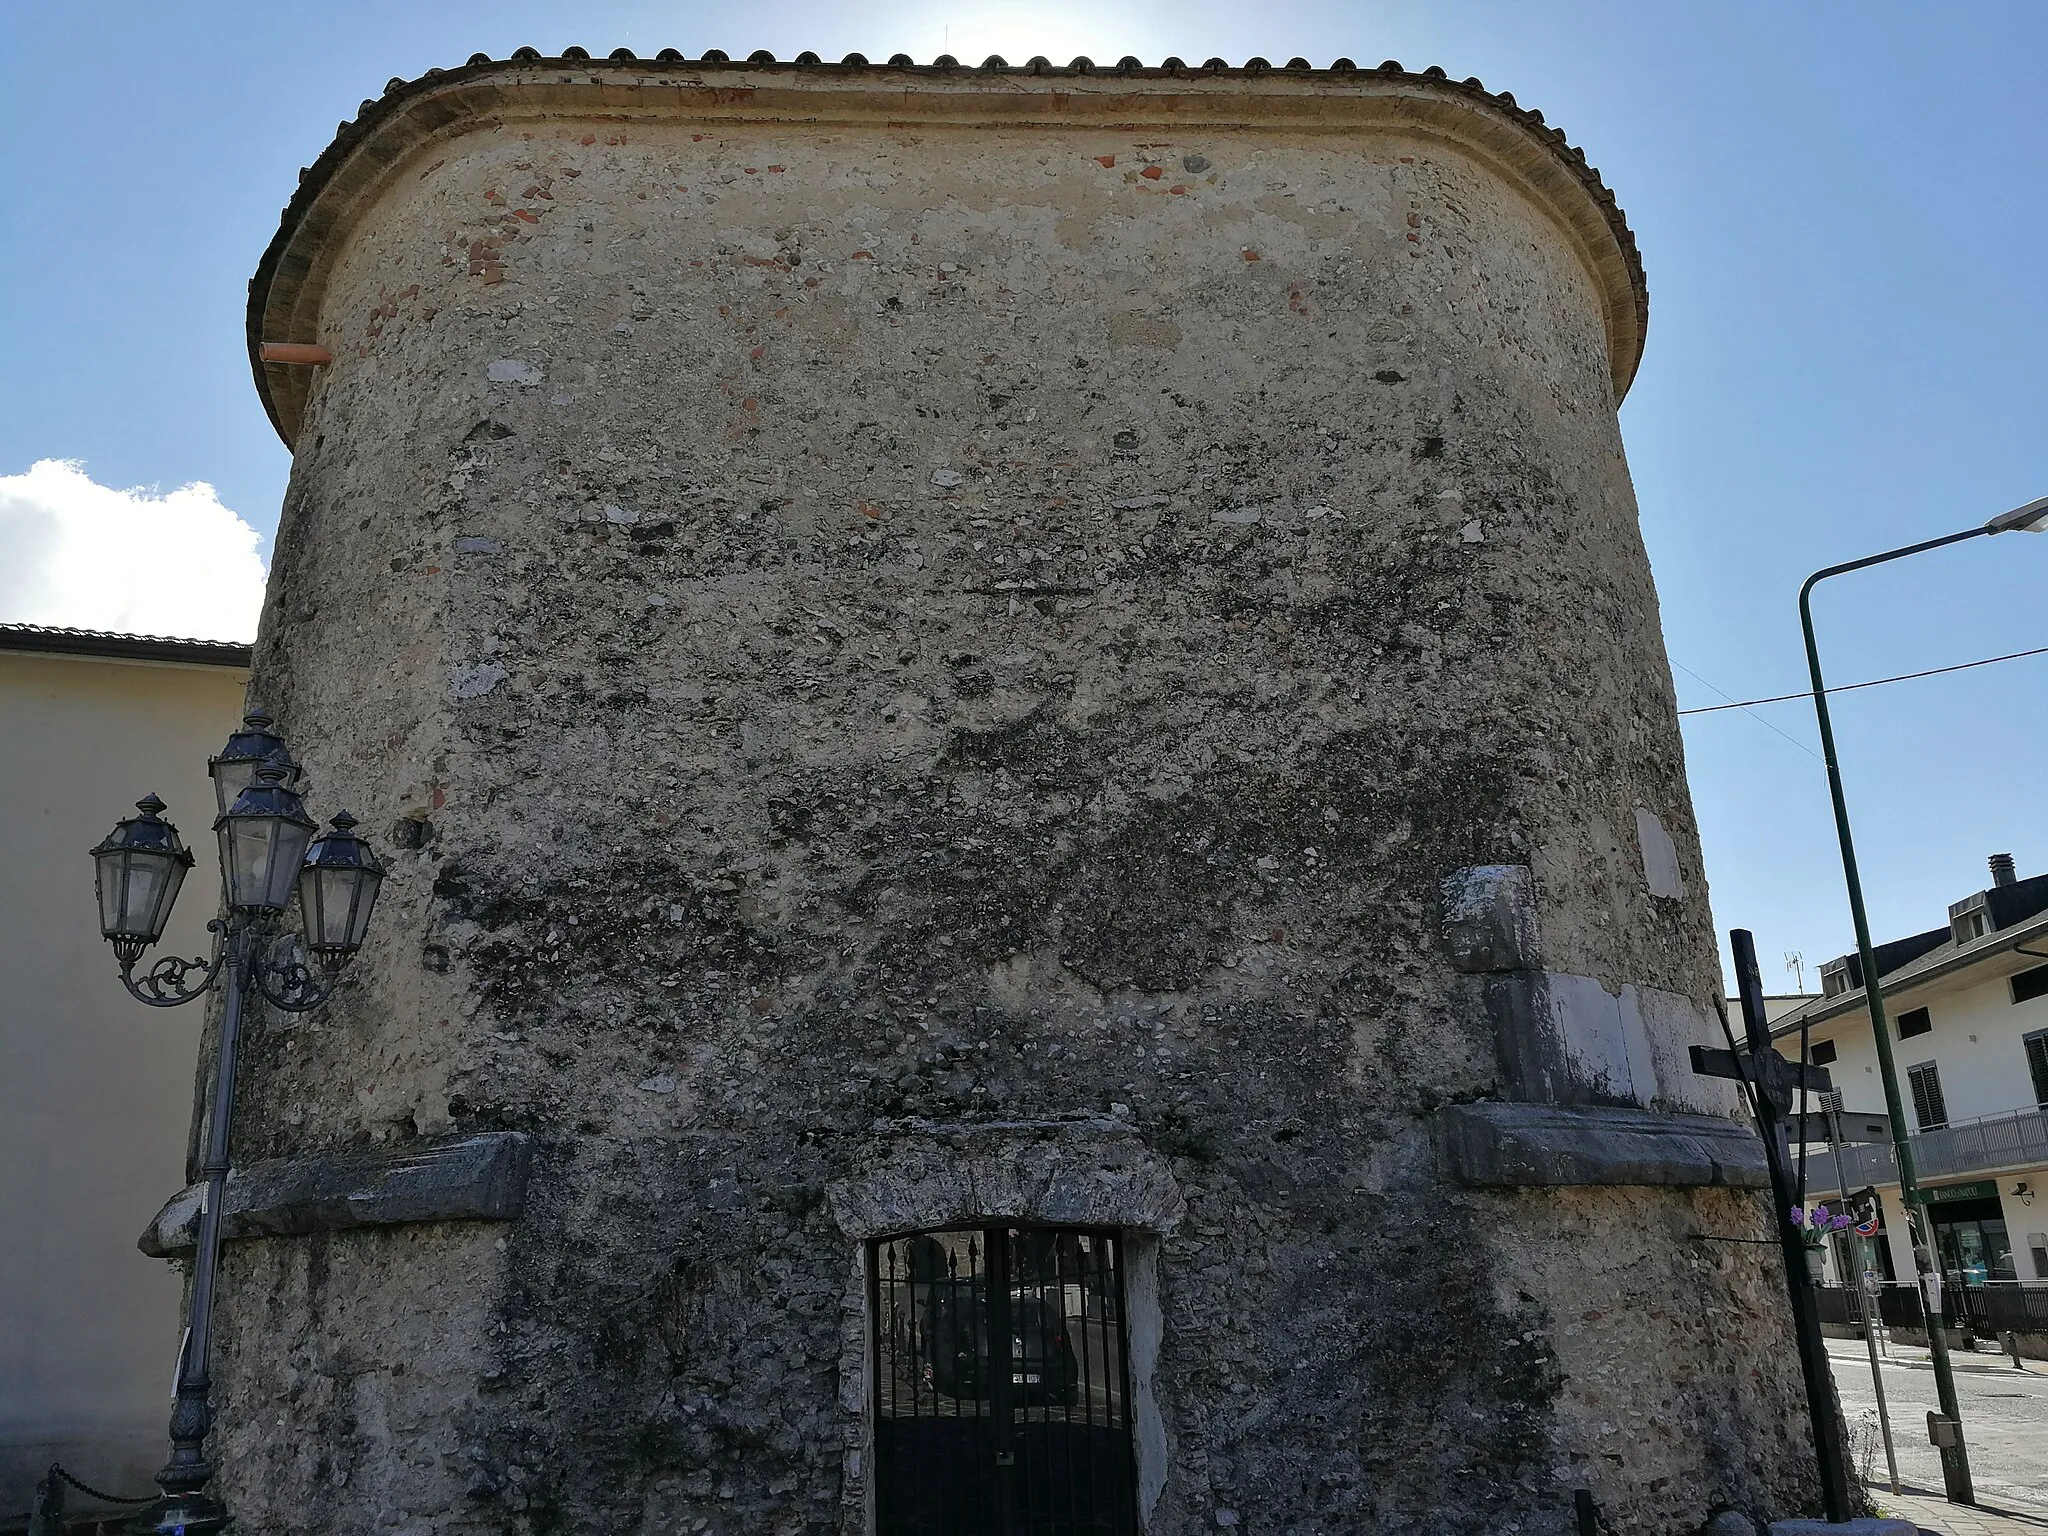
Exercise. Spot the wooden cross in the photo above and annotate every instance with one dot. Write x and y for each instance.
(1777, 1081)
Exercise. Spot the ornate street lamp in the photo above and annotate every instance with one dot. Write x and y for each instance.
(265, 857)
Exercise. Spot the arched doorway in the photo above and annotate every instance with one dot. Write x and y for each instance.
(1002, 1383)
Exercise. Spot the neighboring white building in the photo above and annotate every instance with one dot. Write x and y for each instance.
(1968, 1010)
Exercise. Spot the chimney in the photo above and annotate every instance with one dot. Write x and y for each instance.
(2002, 871)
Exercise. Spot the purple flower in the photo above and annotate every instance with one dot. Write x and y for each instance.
(1798, 1217)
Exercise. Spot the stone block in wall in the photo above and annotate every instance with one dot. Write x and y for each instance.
(1490, 918)
(1541, 1145)
(1565, 1039)
(475, 1178)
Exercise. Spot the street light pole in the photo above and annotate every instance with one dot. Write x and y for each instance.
(2031, 518)
(266, 861)
(1866, 1304)
(185, 1506)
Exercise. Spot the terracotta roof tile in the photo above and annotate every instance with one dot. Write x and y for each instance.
(61, 641)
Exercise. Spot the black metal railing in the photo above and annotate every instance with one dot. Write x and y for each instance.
(2003, 1306)
(1002, 1395)
(1838, 1304)
(1984, 1310)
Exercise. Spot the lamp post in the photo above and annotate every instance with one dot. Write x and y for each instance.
(268, 852)
(1955, 1457)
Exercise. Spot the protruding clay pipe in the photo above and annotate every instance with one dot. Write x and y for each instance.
(294, 352)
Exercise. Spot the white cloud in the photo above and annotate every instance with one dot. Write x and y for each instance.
(77, 553)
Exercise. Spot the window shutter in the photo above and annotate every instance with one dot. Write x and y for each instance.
(2037, 1063)
(1928, 1107)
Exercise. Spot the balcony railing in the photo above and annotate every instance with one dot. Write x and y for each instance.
(1995, 1142)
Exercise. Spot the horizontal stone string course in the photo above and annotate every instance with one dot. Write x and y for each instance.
(1541, 1145)
(474, 1178)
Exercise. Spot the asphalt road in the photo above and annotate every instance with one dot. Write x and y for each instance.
(2004, 1411)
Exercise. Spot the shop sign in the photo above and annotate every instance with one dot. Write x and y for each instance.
(1983, 1189)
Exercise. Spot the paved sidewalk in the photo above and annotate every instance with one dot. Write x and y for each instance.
(2005, 1415)
(1932, 1512)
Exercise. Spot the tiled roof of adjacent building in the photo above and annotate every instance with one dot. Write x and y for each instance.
(945, 69)
(58, 641)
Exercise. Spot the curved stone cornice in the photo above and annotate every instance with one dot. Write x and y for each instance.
(286, 293)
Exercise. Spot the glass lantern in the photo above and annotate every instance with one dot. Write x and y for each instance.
(263, 838)
(337, 889)
(234, 767)
(137, 869)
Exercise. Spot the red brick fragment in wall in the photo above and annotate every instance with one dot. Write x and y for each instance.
(1107, 162)
(1152, 173)
(483, 261)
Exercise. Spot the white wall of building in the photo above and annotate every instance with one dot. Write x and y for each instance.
(96, 1089)
(1975, 1042)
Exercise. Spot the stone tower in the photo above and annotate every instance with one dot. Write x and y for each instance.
(1017, 666)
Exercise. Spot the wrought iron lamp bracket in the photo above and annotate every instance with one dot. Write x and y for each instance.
(280, 972)
(167, 983)
(268, 961)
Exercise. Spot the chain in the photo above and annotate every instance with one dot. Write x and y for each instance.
(57, 1470)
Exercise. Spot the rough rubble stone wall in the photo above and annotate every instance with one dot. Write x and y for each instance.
(855, 631)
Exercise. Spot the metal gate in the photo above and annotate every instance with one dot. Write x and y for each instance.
(976, 1439)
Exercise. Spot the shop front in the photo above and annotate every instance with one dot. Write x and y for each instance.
(1969, 1231)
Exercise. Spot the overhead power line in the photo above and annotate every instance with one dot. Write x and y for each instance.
(1759, 719)
(1876, 682)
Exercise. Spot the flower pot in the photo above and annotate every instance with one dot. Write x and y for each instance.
(1816, 1265)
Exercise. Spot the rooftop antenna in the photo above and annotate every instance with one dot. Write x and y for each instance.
(1795, 962)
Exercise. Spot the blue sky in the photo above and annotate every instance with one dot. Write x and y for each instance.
(1843, 210)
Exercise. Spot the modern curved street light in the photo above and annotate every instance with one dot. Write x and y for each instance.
(1955, 1458)
(268, 854)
